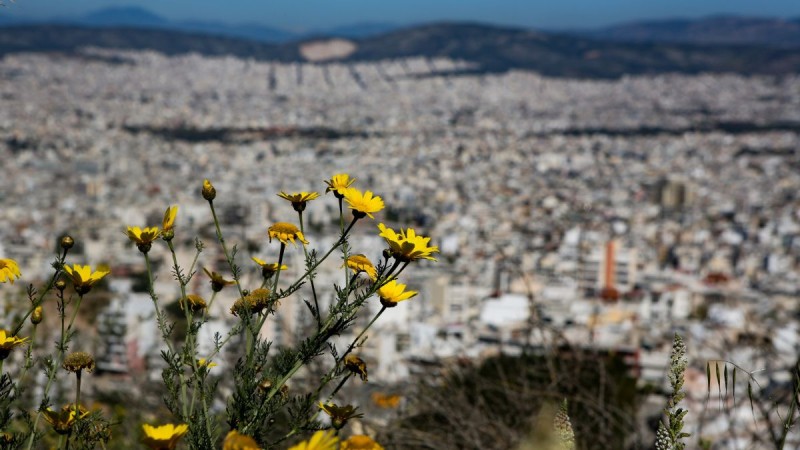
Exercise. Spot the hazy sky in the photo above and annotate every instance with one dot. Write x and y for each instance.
(304, 14)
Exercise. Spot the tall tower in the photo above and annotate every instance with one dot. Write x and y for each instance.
(609, 292)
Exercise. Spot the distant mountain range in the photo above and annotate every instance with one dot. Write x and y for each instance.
(136, 17)
(763, 46)
(709, 30)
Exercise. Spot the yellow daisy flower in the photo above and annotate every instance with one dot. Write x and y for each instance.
(360, 263)
(83, 278)
(62, 420)
(168, 224)
(202, 362)
(268, 269)
(393, 292)
(236, 441)
(340, 414)
(338, 184)
(321, 440)
(360, 442)
(362, 204)
(217, 282)
(8, 343)
(299, 199)
(8, 270)
(286, 232)
(164, 437)
(407, 246)
(143, 238)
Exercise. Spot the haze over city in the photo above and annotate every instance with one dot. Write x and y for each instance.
(321, 14)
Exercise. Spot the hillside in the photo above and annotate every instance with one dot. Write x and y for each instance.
(491, 49)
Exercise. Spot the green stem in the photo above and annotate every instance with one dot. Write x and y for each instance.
(190, 338)
(274, 292)
(338, 387)
(324, 257)
(72, 319)
(191, 344)
(210, 302)
(355, 341)
(233, 332)
(62, 348)
(154, 298)
(28, 354)
(329, 376)
(194, 262)
(78, 395)
(299, 363)
(341, 216)
(60, 262)
(228, 256)
(313, 289)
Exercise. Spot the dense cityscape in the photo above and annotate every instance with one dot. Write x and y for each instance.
(611, 214)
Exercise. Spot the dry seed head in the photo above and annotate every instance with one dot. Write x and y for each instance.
(77, 361)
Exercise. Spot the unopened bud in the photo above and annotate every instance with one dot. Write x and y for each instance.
(36, 315)
(61, 285)
(209, 193)
(67, 242)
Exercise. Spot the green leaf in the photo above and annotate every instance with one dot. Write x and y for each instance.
(750, 396)
(726, 379)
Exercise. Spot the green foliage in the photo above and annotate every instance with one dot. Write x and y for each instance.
(494, 404)
(670, 435)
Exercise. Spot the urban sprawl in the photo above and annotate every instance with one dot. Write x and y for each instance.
(613, 212)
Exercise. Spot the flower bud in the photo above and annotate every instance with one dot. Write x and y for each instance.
(36, 315)
(61, 285)
(209, 193)
(67, 242)
(265, 385)
(167, 235)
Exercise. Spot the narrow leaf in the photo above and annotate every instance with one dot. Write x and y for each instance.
(708, 379)
(725, 373)
(750, 396)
